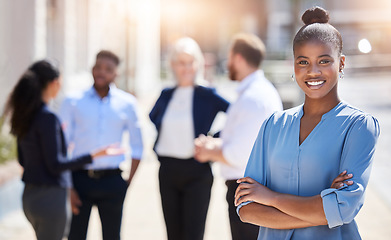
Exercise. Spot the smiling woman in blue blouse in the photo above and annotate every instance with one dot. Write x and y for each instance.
(286, 189)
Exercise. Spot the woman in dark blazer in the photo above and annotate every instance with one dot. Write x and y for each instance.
(42, 151)
(180, 115)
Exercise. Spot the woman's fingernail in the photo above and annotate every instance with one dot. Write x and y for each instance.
(350, 175)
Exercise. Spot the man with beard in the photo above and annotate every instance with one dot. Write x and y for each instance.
(95, 118)
(257, 100)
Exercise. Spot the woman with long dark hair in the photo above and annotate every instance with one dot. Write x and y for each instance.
(42, 151)
(286, 189)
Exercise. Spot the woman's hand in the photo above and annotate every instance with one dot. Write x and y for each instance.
(111, 150)
(201, 151)
(208, 149)
(341, 179)
(251, 190)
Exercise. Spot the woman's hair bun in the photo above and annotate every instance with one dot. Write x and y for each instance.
(315, 15)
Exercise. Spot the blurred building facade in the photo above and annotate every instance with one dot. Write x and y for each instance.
(71, 32)
(213, 23)
(355, 19)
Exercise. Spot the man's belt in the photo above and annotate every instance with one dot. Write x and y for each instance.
(97, 174)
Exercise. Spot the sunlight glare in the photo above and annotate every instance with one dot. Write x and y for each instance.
(364, 46)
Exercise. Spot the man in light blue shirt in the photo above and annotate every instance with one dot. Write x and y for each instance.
(93, 119)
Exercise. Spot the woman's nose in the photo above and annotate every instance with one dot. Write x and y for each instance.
(313, 69)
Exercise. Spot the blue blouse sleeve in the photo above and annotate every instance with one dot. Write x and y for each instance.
(342, 205)
(256, 165)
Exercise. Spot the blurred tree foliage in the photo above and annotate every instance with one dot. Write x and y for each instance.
(7, 144)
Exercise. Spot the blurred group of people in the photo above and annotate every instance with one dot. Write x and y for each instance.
(304, 165)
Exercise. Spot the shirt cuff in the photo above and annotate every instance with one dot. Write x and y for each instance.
(242, 205)
(331, 207)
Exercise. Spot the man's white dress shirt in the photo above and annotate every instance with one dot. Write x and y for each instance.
(257, 100)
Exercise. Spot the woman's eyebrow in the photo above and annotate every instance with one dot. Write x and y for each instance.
(324, 55)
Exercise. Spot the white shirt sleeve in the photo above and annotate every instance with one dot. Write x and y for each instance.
(243, 129)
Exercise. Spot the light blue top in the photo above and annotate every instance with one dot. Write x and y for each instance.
(344, 139)
(91, 122)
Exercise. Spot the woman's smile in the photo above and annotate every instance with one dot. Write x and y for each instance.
(315, 84)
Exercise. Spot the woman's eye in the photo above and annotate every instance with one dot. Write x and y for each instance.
(324, 61)
(303, 62)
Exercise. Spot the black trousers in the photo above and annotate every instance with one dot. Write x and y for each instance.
(239, 229)
(185, 188)
(108, 194)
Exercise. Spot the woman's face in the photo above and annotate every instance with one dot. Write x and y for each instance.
(185, 68)
(317, 65)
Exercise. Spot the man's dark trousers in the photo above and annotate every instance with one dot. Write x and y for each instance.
(108, 194)
(239, 229)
